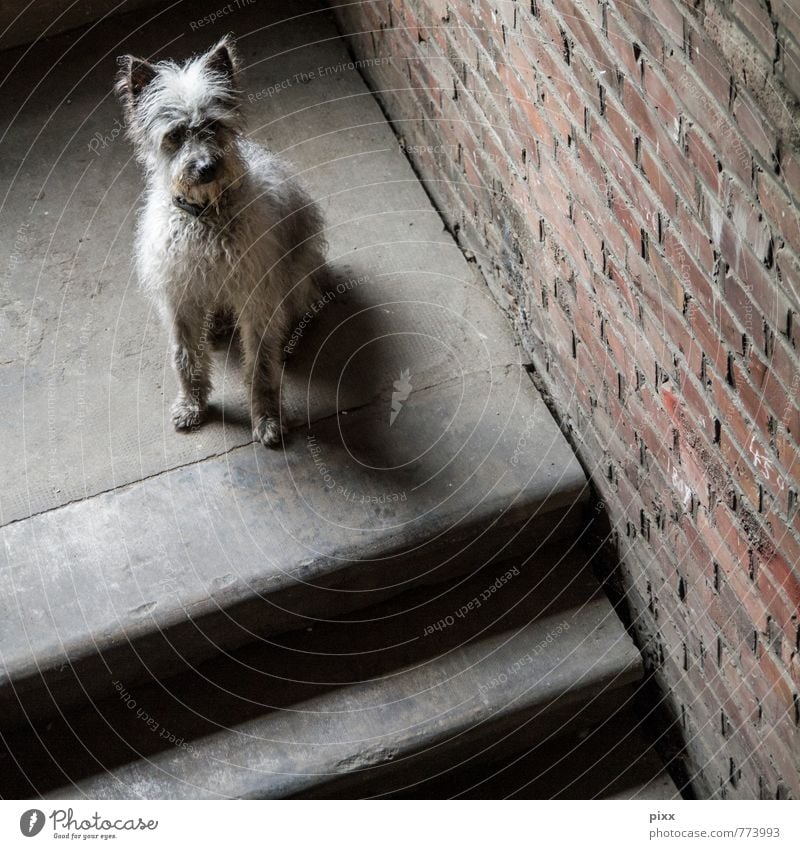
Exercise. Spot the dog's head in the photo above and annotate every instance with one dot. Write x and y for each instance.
(184, 121)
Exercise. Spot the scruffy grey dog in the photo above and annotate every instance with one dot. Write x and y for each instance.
(225, 232)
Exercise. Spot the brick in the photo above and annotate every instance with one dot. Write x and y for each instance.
(789, 68)
(761, 284)
(695, 280)
(756, 128)
(669, 17)
(660, 182)
(707, 113)
(748, 220)
(786, 13)
(707, 336)
(755, 20)
(625, 49)
(661, 99)
(790, 171)
(692, 234)
(704, 160)
(713, 71)
(780, 208)
(643, 27)
(670, 280)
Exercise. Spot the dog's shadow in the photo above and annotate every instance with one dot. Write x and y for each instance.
(343, 362)
(335, 356)
(333, 363)
(346, 359)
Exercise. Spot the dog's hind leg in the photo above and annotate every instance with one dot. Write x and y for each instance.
(262, 372)
(193, 368)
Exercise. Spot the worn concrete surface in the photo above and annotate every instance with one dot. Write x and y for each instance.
(23, 22)
(541, 653)
(128, 548)
(171, 569)
(84, 362)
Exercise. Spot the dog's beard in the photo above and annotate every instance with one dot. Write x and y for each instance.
(205, 194)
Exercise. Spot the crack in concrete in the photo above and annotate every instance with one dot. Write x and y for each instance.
(234, 447)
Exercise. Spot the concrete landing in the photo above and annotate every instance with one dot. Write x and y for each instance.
(84, 363)
(129, 550)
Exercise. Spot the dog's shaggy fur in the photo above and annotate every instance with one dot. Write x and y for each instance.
(225, 230)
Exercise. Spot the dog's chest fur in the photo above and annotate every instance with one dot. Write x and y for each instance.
(208, 262)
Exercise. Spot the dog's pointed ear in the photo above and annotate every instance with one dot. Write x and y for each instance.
(222, 59)
(133, 77)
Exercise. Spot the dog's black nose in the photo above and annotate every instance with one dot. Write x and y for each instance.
(206, 172)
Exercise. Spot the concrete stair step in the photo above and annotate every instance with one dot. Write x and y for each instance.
(612, 759)
(370, 704)
(173, 569)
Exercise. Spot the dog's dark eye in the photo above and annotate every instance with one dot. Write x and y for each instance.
(175, 137)
(212, 126)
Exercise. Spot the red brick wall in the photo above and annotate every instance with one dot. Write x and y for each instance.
(626, 175)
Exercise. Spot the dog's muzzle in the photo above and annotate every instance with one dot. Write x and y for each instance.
(194, 209)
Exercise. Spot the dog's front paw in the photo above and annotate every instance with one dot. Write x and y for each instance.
(187, 414)
(268, 431)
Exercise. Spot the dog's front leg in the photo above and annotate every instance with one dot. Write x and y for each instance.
(192, 366)
(262, 371)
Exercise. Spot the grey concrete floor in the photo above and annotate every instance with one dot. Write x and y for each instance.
(84, 371)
